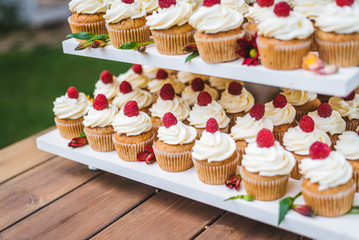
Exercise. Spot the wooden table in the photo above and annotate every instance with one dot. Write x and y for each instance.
(43, 196)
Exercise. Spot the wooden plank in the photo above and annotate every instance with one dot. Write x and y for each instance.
(232, 226)
(39, 186)
(164, 216)
(21, 156)
(84, 211)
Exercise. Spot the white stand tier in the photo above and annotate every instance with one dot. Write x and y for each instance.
(339, 84)
(187, 184)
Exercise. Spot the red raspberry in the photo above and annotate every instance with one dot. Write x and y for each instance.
(197, 85)
(350, 97)
(306, 123)
(282, 9)
(235, 88)
(169, 120)
(72, 92)
(128, 1)
(319, 150)
(167, 92)
(210, 3)
(342, 3)
(279, 101)
(125, 87)
(203, 99)
(131, 109)
(100, 102)
(106, 77)
(324, 110)
(265, 3)
(212, 125)
(161, 74)
(257, 111)
(166, 3)
(137, 68)
(265, 138)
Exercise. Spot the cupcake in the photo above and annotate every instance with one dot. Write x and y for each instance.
(348, 145)
(236, 101)
(214, 155)
(174, 145)
(303, 102)
(284, 38)
(187, 77)
(162, 78)
(329, 121)
(282, 115)
(204, 109)
(107, 85)
(135, 76)
(149, 5)
(169, 27)
(260, 10)
(97, 122)
(69, 111)
(328, 186)
(190, 93)
(168, 102)
(266, 167)
(348, 108)
(87, 16)
(217, 42)
(247, 128)
(142, 97)
(298, 140)
(151, 72)
(220, 84)
(126, 22)
(338, 34)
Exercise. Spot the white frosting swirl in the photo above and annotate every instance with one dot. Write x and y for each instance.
(177, 134)
(100, 118)
(190, 96)
(213, 147)
(348, 109)
(247, 128)
(194, 3)
(298, 97)
(186, 77)
(279, 116)
(136, 80)
(237, 5)
(87, 6)
(149, 5)
(348, 145)
(329, 172)
(237, 103)
(257, 13)
(310, 8)
(217, 18)
(143, 98)
(165, 18)
(131, 126)
(120, 11)
(150, 72)
(71, 108)
(199, 115)
(155, 85)
(220, 83)
(269, 162)
(334, 124)
(110, 90)
(177, 106)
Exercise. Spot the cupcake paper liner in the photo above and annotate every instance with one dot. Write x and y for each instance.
(352, 126)
(241, 152)
(248, 33)
(172, 44)
(334, 138)
(100, 142)
(279, 136)
(95, 28)
(173, 162)
(69, 130)
(128, 151)
(356, 179)
(295, 171)
(119, 37)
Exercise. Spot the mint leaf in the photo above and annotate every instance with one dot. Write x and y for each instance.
(284, 206)
(82, 135)
(129, 45)
(81, 35)
(354, 210)
(192, 55)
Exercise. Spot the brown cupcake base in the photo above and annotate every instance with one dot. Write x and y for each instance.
(121, 36)
(100, 138)
(92, 27)
(69, 128)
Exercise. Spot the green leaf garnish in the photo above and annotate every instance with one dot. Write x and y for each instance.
(244, 197)
(82, 135)
(192, 55)
(354, 210)
(81, 35)
(134, 45)
(284, 206)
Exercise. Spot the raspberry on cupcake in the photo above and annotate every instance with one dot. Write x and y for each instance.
(107, 85)
(220, 84)
(163, 77)
(190, 93)
(135, 76)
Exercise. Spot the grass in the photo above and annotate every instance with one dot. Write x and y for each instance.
(30, 82)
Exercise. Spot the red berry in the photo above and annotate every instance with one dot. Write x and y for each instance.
(342, 3)
(125, 87)
(235, 88)
(279, 101)
(128, 1)
(137, 68)
(265, 138)
(166, 3)
(197, 85)
(282, 9)
(161, 74)
(72, 92)
(265, 3)
(169, 120)
(106, 77)
(210, 3)
(306, 123)
(212, 125)
(319, 150)
(131, 109)
(100, 102)
(324, 110)
(257, 111)
(350, 97)
(203, 99)
(167, 92)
